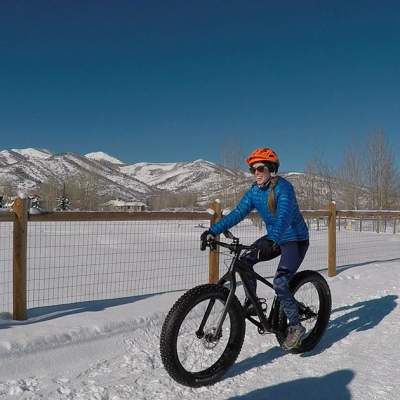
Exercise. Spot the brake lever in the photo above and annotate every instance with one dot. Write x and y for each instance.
(212, 244)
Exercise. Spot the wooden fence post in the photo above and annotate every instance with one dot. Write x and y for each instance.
(20, 234)
(332, 239)
(213, 257)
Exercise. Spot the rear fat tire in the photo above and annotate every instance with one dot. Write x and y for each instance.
(173, 322)
(325, 304)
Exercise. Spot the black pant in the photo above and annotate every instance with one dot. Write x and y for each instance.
(292, 255)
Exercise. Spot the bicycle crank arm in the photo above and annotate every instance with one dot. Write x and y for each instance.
(306, 311)
(261, 328)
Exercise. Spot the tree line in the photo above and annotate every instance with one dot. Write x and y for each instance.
(366, 178)
(79, 192)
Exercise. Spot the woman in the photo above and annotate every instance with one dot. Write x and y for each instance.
(287, 233)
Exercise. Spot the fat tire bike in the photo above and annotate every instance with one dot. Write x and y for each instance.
(204, 331)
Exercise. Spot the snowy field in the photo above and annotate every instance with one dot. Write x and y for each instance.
(109, 349)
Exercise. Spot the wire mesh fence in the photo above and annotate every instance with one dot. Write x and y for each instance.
(366, 241)
(83, 261)
(354, 246)
(73, 261)
(369, 224)
(6, 272)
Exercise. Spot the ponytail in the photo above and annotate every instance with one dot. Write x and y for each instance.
(271, 196)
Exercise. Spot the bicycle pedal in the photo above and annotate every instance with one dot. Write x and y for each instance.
(263, 304)
(264, 331)
(250, 309)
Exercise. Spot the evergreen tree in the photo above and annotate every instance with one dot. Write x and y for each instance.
(63, 202)
(35, 202)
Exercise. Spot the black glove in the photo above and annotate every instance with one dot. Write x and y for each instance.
(275, 247)
(206, 237)
(267, 248)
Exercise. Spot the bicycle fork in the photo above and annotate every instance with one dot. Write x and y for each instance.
(217, 333)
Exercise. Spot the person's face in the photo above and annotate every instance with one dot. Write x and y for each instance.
(260, 172)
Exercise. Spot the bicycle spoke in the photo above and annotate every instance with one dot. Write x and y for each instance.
(308, 300)
(194, 353)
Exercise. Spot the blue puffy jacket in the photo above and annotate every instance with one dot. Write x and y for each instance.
(286, 225)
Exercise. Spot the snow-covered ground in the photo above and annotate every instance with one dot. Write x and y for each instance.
(109, 349)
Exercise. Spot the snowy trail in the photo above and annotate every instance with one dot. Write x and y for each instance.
(357, 359)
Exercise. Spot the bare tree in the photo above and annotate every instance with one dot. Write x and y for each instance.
(382, 176)
(82, 190)
(326, 172)
(233, 157)
(49, 191)
(351, 176)
(165, 200)
(319, 184)
(310, 194)
(7, 188)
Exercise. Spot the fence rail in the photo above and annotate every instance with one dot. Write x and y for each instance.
(85, 216)
(65, 257)
(7, 216)
(369, 214)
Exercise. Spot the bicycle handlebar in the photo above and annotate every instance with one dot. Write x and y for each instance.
(234, 247)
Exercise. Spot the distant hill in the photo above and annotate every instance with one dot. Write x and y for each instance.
(26, 169)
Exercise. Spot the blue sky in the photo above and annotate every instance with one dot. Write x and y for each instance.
(166, 81)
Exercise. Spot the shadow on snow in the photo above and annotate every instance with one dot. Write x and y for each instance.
(344, 267)
(329, 387)
(46, 313)
(358, 317)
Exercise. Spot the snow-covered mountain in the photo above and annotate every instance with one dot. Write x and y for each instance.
(101, 156)
(26, 169)
(33, 153)
(197, 176)
(8, 157)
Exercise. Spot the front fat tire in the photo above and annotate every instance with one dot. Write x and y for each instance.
(173, 322)
(324, 312)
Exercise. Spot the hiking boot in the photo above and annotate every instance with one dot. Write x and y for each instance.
(295, 335)
(249, 308)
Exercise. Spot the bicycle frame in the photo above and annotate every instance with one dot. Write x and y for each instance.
(265, 324)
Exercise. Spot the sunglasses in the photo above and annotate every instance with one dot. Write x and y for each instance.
(260, 168)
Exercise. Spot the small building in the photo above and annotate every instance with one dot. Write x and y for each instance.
(122, 205)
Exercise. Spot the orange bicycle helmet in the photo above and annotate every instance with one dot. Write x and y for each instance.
(264, 155)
